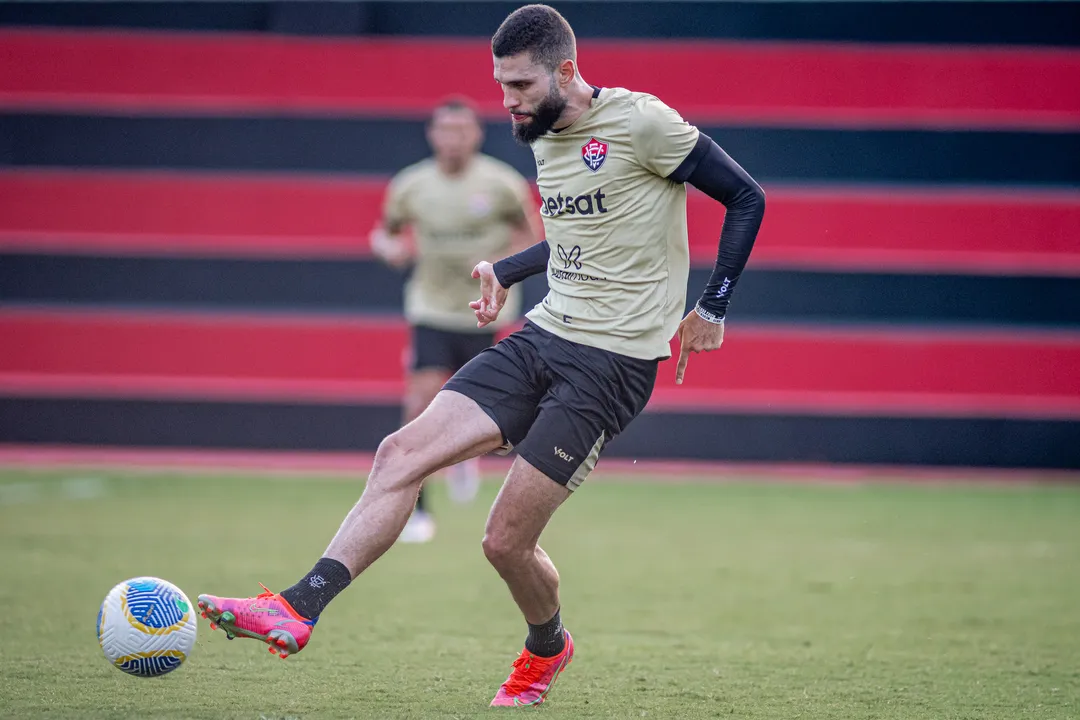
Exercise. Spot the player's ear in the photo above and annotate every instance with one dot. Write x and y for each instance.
(565, 73)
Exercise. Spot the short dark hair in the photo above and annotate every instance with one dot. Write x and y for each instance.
(455, 103)
(539, 30)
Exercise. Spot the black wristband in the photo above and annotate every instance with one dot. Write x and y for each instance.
(530, 261)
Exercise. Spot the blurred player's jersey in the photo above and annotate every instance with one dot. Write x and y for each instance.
(616, 225)
(457, 221)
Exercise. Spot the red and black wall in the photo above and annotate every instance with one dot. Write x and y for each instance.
(186, 190)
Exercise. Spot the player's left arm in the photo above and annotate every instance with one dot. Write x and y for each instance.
(712, 171)
(672, 148)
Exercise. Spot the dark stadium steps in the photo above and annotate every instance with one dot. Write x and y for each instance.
(365, 286)
(204, 214)
(773, 83)
(725, 436)
(761, 369)
(943, 21)
(306, 144)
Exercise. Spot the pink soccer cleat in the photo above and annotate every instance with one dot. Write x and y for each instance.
(533, 677)
(267, 617)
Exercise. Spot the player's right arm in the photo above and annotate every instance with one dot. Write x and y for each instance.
(496, 280)
(388, 243)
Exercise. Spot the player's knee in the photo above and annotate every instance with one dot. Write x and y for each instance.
(502, 549)
(395, 462)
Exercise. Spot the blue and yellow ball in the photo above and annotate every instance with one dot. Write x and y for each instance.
(146, 627)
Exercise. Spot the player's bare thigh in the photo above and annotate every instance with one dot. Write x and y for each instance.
(451, 429)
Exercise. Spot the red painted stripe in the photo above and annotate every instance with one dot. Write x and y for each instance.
(750, 82)
(850, 228)
(878, 229)
(189, 214)
(329, 360)
(193, 346)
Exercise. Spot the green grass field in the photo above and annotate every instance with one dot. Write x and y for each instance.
(686, 599)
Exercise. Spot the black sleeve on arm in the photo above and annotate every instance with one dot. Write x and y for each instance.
(712, 171)
(528, 262)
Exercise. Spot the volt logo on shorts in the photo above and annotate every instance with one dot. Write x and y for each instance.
(562, 455)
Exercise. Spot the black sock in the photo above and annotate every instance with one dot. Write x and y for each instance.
(547, 640)
(313, 593)
(421, 500)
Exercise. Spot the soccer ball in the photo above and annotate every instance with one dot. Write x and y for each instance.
(146, 626)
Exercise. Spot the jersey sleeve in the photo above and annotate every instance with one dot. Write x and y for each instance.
(660, 137)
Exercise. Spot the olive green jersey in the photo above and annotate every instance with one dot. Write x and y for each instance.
(457, 222)
(616, 225)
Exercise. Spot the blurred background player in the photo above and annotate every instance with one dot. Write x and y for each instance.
(461, 206)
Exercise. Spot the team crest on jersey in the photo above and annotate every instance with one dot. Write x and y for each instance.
(594, 153)
(480, 205)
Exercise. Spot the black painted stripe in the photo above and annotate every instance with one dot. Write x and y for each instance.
(382, 145)
(303, 285)
(366, 286)
(679, 436)
(172, 424)
(944, 21)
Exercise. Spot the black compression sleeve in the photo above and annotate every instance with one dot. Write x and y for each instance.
(528, 262)
(712, 171)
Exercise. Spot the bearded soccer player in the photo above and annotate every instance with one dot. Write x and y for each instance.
(613, 167)
(462, 206)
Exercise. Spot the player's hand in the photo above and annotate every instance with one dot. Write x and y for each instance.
(696, 334)
(391, 250)
(492, 295)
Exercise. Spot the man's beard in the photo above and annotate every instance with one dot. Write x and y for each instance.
(544, 117)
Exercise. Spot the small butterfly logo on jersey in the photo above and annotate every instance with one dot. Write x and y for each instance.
(594, 153)
(570, 256)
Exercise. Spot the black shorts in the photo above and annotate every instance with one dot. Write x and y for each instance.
(446, 349)
(556, 402)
